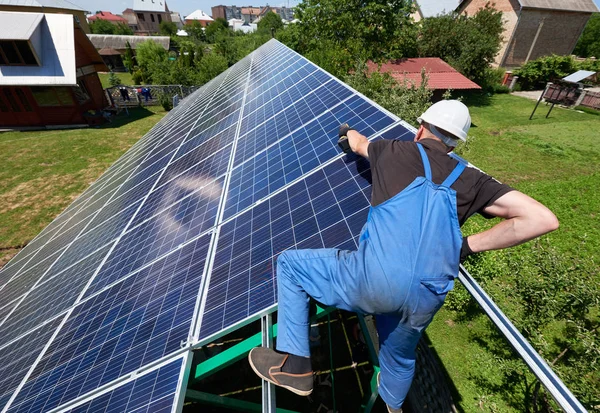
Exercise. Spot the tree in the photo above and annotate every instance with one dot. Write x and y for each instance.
(364, 29)
(149, 54)
(270, 22)
(216, 28)
(167, 28)
(196, 31)
(210, 66)
(123, 29)
(469, 44)
(589, 42)
(113, 79)
(100, 26)
(128, 58)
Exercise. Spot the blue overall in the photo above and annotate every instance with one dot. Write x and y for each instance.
(406, 262)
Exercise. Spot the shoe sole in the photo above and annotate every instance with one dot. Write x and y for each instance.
(292, 389)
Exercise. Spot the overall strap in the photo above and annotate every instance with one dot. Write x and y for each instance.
(454, 175)
(425, 162)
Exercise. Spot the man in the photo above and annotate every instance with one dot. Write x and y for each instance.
(408, 255)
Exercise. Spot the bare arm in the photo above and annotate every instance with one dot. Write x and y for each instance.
(525, 219)
(358, 143)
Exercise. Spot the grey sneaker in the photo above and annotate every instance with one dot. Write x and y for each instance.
(267, 364)
(390, 410)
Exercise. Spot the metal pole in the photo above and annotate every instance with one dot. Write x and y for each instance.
(268, 389)
(534, 361)
(539, 100)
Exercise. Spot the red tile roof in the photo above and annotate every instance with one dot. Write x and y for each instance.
(441, 75)
(106, 15)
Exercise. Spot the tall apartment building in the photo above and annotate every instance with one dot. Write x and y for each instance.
(227, 12)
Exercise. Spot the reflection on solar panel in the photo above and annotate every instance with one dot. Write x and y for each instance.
(176, 243)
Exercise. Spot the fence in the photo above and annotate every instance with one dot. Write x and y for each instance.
(590, 100)
(572, 96)
(146, 95)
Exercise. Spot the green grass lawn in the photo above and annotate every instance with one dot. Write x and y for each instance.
(45, 171)
(123, 76)
(556, 161)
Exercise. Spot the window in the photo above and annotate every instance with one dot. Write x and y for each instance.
(3, 107)
(152, 17)
(159, 18)
(81, 93)
(23, 100)
(11, 100)
(16, 53)
(141, 17)
(53, 96)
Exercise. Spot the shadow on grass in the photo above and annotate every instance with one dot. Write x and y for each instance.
(124, 118)
(447, 380)
(476, 98)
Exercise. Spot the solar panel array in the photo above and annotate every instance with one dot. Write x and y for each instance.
(175, 245)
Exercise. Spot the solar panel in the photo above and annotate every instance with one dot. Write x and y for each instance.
(175, 245)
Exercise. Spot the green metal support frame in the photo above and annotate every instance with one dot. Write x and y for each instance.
(241, 350)
(226, 402)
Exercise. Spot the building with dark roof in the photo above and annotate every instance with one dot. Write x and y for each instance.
(441, 76)
(48, 71)
(535, 28)
(112, 47)
(146, 16)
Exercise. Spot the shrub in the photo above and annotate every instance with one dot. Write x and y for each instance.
(166, 101)
(535, 74)
(137, 77)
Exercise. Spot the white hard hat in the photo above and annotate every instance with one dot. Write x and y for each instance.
(450, 115)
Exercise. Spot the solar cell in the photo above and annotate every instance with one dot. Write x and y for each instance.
(176, 243)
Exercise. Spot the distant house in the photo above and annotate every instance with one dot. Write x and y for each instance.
(286, 13)
(432, 8)
(535, 28)
(200, 17)
(441, 76)
(48, 71)
(242, 26)
(226, 12)
(176, 18)
(109, 17)
(147, 15)
(112, 47)
(47, 6)
(250, 14)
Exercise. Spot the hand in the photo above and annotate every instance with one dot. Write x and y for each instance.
(344, 129)
(465, 250)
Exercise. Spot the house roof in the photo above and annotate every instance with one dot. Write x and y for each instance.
(58, 54)
(115, 41)
(431, 8)
(199, 15)
(20, 26)
(55, 4)
(251, 10)
(106, 15)
(587, 6)
(108, 51)
(159, 6)
(440, 74)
